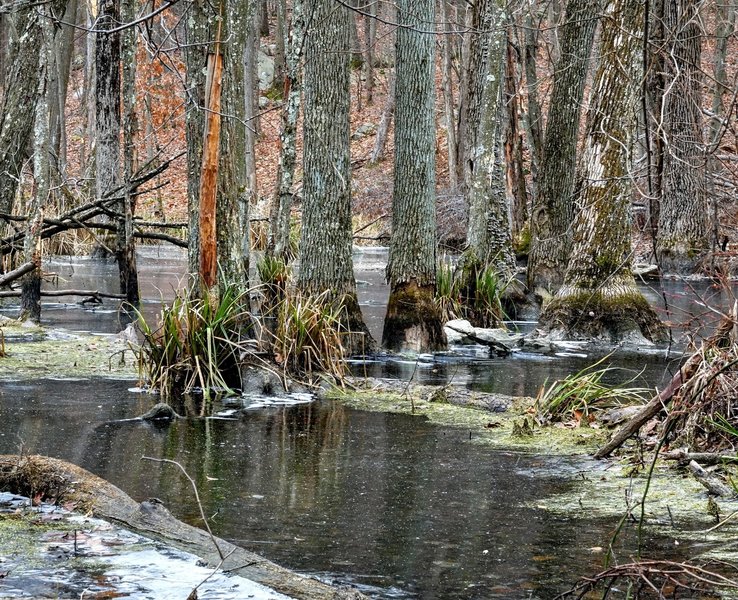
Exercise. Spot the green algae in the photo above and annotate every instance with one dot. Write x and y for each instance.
(41, 352)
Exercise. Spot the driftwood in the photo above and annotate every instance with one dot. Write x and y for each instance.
(662, 399)
(713, 483)
(51, 479)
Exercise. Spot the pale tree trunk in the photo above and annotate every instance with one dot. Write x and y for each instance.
(599, 296)
(107, 111)
(682, 238)
(370, 38)
(280, 35)
(413, 319)
(380, 140)
(488, 241)
(126, 247)
(553, 205)
(233, 193)
(517, 193)
(448, 98)
(30, 305)
(251, 85)
(87, 148)
(196, 53)
(19, 103)
(279, 219)
(326, 244)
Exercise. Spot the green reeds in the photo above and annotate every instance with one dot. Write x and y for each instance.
(196, 343)
(577, 396)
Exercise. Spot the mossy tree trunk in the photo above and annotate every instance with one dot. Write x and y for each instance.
(233, 195)
(682, 238)
(599, 296)
(326, 243)
(553, 205)
(488, 240)
(413, 319)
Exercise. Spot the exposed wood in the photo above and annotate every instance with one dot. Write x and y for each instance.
(60, 481)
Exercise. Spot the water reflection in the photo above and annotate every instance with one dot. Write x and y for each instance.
(387, 501)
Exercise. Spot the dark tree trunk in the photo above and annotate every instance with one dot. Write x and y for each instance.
(599, 296)
(682, 238)
(413, 320)
(553, 205)
(326, 244)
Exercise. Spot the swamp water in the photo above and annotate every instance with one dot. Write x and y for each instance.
(392, 503)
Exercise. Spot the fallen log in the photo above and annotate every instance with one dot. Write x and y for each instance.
(662, 399)
(703, 458)
(51, 479)
(711, 482)
(57, 293)
(11, 276)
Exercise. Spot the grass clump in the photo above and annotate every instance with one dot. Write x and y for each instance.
(196, 343)
(578, 396)
(309, 334)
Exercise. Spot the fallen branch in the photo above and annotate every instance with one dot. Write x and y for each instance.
(711, 482)
(662, 399)
(703, 458)
(11, 276)
(57, 293)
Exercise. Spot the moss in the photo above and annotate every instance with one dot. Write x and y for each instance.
(39, 352)
(595, 314)
(413, 320)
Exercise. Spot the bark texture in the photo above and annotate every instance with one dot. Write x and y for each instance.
(599, 296)
(413, 321)
(326, 243)
(553, 205)
(233, 194)
(682, 238)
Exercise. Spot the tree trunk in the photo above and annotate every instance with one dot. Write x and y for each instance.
(196, 53)
(370, 38)
(553, 206)
(233, 194)
(448, 99)
(535, 119)
(599, 296)
(682, 238)
(30, 306)
(19, 104)
(251, 98)
(326, 244)
(413, 319)
(380, 140)
(126, 247)
(279, 218)
(107, 111)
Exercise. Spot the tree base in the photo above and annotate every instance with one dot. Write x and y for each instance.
(358, 340)
(615, 315)
(413, 320)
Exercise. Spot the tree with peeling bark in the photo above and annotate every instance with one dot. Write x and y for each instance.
(599, 296)
(682, 239)
(553, 206)
(326, 243)
(413, 319)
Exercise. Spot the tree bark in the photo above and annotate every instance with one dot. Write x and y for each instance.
(413, 319)
(599, 296)
(279, 219)
(448, 99)
(233, 193)
(325, 248)
(126, 247)
(682, 239)
(107, 109)
(553, 205)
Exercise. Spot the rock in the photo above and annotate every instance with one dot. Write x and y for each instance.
(364, 130)
(265, 70)
(263, 102)
(500, 336)
(260, 382)
(160, 412)
(454, 337)
(461, 326)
